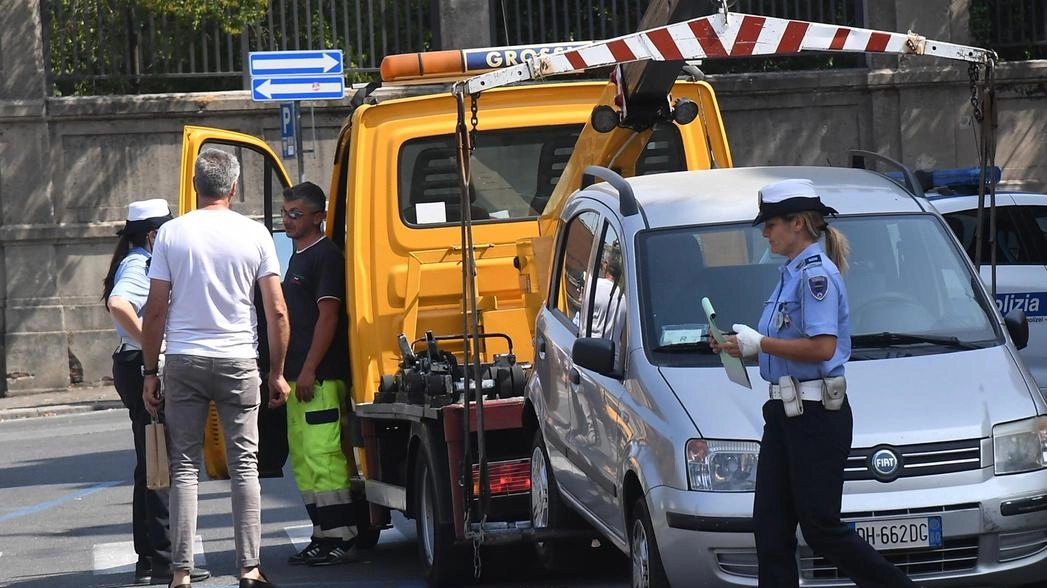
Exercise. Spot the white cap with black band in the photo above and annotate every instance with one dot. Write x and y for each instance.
(145, 215)
(789, 197)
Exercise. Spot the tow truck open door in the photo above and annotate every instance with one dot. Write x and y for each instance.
(258, 195)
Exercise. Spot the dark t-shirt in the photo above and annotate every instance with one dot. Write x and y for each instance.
(312, 274)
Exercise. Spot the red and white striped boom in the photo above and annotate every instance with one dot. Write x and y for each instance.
(725, 35)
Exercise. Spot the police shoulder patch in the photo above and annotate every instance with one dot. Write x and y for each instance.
(818, 285)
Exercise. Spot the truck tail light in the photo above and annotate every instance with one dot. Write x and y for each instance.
(506, 477)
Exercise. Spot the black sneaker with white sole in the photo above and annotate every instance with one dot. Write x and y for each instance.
(334, 555)
(143, 571)
(314, 549)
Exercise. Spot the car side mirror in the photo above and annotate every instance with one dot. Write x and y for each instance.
(1018, 327)
(594, 353)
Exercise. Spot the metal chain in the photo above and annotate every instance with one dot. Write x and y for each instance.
(477, 540)
(972, 73)
(474, 121)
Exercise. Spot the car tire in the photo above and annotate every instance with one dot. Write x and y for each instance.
(444, 563)
(645, 562)
(548, 510)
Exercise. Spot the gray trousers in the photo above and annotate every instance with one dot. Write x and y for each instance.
(190, 384)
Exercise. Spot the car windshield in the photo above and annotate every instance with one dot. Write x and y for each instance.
(909, 290)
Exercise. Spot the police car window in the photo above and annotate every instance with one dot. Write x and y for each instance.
(514, 172)
(1039, 215)
(573, 265)
(1011, 246)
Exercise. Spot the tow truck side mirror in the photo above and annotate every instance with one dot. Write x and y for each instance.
(1018, 327)
(594, 353)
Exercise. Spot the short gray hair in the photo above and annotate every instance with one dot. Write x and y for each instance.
(216, 172)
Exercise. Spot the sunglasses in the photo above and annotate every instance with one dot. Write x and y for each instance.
(295, 214)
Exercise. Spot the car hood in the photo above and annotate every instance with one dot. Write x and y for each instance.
(899, 401)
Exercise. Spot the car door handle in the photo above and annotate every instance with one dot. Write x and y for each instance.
(576, 378)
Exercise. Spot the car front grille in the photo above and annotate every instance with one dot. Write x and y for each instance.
(1020, 545)
(957, 554)
(924, 459)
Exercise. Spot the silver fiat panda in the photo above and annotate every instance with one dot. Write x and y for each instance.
(639, 431)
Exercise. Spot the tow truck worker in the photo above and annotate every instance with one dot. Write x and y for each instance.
(317, 368)
(803, 342)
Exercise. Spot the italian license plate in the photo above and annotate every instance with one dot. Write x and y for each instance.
(907, 533)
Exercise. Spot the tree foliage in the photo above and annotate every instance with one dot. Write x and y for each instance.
(232, 15)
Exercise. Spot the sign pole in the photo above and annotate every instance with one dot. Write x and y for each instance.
(298, 141)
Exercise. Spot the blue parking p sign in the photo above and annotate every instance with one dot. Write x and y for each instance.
(287, 130)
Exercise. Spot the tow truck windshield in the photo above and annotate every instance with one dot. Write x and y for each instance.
(513, 172)
(908, 286)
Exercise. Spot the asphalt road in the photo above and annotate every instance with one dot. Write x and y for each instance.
(65, 497)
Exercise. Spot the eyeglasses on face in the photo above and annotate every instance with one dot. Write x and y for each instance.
(294, 213)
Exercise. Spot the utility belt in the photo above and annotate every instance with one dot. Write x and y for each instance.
(792, 392)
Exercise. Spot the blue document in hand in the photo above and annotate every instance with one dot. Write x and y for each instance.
(735, 369)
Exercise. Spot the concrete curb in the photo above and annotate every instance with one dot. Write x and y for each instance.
(58, 409)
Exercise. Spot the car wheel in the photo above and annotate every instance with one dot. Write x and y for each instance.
(645, 562)
(548, 510)
(443, 562)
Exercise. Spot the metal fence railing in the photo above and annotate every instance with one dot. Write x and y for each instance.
(521, 22)
(117, 46)
(1016, 29)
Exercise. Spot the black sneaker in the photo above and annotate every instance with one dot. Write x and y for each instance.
(163, 576)
(335, 555)
(143, 571)
(312, 550)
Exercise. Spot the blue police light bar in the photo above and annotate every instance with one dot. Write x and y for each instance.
(960, 177)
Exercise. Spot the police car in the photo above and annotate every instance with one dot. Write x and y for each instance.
(1021, 250)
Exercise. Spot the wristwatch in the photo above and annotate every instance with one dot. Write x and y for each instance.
(153, 372)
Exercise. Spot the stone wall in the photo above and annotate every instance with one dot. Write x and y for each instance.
(68, 166)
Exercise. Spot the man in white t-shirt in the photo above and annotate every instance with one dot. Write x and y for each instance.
(202, 275)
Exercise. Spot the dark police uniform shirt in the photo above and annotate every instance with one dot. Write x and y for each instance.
(810, 300)
(315, 273)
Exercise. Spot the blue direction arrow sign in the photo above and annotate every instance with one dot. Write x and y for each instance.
(293, 63)
(297, 88)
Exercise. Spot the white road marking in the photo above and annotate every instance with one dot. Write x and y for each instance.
(299, 536)
(120, 557)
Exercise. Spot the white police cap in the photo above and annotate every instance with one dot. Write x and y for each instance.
(789, 197)
(145, 215)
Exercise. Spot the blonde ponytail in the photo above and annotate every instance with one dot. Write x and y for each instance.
(836, 246)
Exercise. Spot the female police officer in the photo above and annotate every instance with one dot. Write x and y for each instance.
(803, 341)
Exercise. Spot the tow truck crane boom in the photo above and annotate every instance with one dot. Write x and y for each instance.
(726, 34)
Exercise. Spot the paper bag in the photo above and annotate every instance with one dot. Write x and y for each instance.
(157, 472)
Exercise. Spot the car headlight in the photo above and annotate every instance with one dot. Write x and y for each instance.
(1020, 446)
(722, 466)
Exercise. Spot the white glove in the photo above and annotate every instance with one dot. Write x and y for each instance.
(748, 339)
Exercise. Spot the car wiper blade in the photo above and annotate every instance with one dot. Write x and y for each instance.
(891, 338)
(702, 346)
